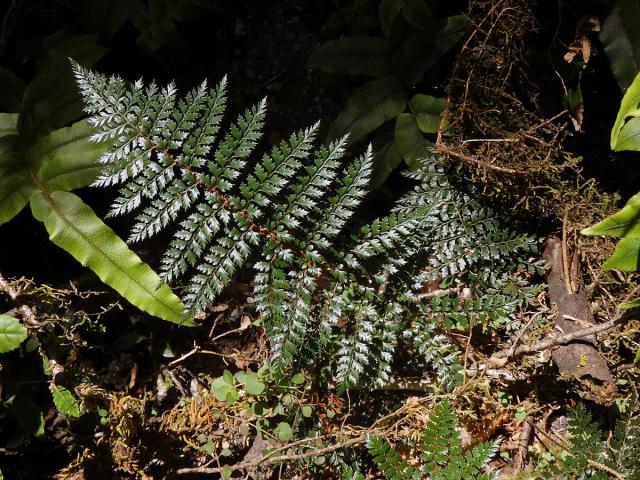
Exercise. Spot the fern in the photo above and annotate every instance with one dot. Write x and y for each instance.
(317, 287)
(589, 456)
(441, 450)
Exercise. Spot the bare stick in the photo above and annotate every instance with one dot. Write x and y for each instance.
(563, 339)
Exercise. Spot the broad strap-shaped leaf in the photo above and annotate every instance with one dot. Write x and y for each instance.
(8, 124)
(625, 134)
(358, 55)
(622, 224)
(627, 306)
(51, 100)
(416, 12)
(409, 139)
(626, 256)
(424, 50)
(386, 157)
(16, 185)
(73, 226)
(369, 107)
(428, 111)
(12, 333)
(66, 158)
(15, 191)
(621, 39)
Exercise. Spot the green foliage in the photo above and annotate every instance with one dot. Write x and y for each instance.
(413, 43)
(278, 405)
(588, 455)
(12, 333)
(155, 20)
(66, 404)
(621, 41)
(316, 287)
(625, 224)
(42, 159)
(441, 450)
(73, 226)
(626, 129)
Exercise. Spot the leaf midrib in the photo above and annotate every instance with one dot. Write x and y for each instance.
(46, 194)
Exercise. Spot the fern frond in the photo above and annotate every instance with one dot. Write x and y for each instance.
(288, 336)
(354, 353)
(385, 236)
(457, 313)
(389, 461)
(286, 210)
(258, 191)
(218, 266)
(436, 351)
(352, 188)
(308, 190)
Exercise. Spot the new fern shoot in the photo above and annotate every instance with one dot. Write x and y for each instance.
(352, 296)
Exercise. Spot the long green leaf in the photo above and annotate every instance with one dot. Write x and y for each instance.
(73, 226)
(428, 111)
(385, 156)
(16, 186)
(52, 100)
(622, 224)
(410, 142)
(620, 36)
(15, 191)
(625, 134)
(369, 107)
(415, 12)
(358, 55)
(10, 158)
(12, 333)
(66, 159)
(8, 124)
(628, 305)
(626, 256)
(424, 50)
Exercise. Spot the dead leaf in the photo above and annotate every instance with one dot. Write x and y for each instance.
(576, 117)
(245, 322)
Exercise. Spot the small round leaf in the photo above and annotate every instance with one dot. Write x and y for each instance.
(284, 432)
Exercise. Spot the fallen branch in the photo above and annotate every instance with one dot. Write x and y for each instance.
(561, 340)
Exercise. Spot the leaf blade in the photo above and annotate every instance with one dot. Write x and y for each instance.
(357, 55)
(623, 224)
(409, 140)
(368, 108)
(621, 39)
(625, 257)
(66, 158)
(12, 333)
(73, 226)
